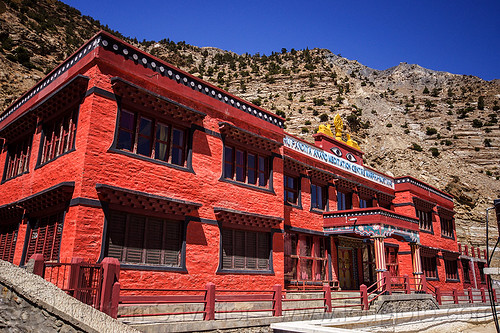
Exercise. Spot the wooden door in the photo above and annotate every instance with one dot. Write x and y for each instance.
(346, 268)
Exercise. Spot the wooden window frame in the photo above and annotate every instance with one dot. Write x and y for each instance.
(125, 251)
(322, 189)
(343, 198)
(58, 137)
(8, 240)
(240, 259)
(366, 202)
(18, 158)
(429, 267)
(136, 136)
(482, 276)
(294, 191)
(297, 257)
(451, 269)
(425, 219)
(466, 270)
(447, 229)
(45, 236)
(261, 168)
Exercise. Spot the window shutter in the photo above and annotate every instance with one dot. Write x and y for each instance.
(50, 235)
(135, 239)
(227, 248)
(239, 249)
(172, 243)
(154, 241)
(8, 245)
(263, 251)
(116, 235)
(40, 241)
(251, 250)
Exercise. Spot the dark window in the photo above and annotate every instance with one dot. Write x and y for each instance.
(305, 258)
(45, 237)
(319, 196)
(446, 226)
(18, 160)
(246, 167)
(137, 239)
(424, 219)
(291, 189)
(245, 250)
(429, 266)
(480, 266)
(451, 269)
(365, 203)
(466, 270)
(151, 138)
(58, 137)
(344, 200)
(8, 238)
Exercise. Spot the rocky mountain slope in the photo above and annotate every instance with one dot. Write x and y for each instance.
(436, 126)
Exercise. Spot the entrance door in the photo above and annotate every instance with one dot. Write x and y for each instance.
(346, 268)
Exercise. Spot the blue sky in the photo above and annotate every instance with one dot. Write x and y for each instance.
(461, 37)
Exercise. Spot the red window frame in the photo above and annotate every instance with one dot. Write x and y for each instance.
(238, 166)
(175, 145)
(245, 250)
(18, 158)
(45, 237)
(306, 258)
(59, 136)
(8, 239)
(144, 240)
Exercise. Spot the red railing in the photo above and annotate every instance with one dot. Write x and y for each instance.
(162, 296)
(377, 288)
(79, 279)
(93, 284)
(98, 286)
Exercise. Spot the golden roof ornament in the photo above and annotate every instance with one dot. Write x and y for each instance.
(339, 126)
(325, 130)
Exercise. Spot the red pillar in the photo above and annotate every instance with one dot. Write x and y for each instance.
(115, 300)
(74, 276)
(483, 295)
(328, 298)
(471, 296)
(210, 302)
(438, 296)
(455, 296)
(387, 281)
(39, 265)
(364, 296)
(277, 301)
(111, 275)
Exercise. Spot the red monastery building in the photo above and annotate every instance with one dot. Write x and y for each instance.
(119, 154)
